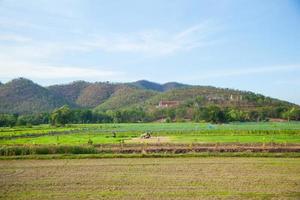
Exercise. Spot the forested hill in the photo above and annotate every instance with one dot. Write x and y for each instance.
(26, 97)
(144, 84)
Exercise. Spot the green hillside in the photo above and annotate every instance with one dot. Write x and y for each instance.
(95, 94)
(24, 96)
(126, 97)
(70, 91)
(207, 95)
(148, 85)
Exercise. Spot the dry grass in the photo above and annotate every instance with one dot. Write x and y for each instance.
(151, 178)
(152, 140)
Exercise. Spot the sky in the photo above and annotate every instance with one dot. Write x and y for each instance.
(241, 44)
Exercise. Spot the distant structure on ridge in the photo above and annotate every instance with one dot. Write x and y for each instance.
(167, 104)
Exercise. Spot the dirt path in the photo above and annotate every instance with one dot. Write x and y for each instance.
(151, 140)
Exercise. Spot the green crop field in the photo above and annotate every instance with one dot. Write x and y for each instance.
(124, 138)
(105, 138)
(173, 132)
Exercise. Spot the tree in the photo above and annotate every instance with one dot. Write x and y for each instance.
(25, 120)
(295, 114)
(135, 114)
(292, 114)
(201, 114)
(171, 113)
(82, 116)
(101, 117)
(8, 120)
(180, 113)
(254, 115)
(61, 116)
(216, 115)
(236, 115)
(199, 101)
(210, 114)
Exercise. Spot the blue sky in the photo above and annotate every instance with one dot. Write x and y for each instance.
(242, 44)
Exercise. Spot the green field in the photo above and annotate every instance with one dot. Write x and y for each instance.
(166, 138)
(174, 132)
(104, 138)
(151, 178)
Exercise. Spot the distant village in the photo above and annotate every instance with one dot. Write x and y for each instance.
(210, 98)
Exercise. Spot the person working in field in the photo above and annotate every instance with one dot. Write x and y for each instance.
(146, 135)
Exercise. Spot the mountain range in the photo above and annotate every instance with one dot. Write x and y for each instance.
(26, 97)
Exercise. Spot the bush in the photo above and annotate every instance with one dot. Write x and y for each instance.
(42, 150)
(168, 120)
(90, 142)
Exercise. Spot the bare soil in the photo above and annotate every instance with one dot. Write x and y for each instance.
(151, 178)
(155, 145)
(152, 140)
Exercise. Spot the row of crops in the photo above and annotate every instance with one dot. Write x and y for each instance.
(196, 126)
(175, 132)
(248, 126)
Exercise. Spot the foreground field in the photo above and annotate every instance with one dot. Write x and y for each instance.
(166, 138)
(151, 178)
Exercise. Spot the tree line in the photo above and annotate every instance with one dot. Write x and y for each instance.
(214, 114)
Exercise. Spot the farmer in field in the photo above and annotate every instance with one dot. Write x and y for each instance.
(146, 135)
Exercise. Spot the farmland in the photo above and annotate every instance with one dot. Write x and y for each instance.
(125, 138)
(151, 178)
(253, 160)
(176, 132)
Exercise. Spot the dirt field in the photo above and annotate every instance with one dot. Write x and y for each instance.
(155, 140)
(151, 178)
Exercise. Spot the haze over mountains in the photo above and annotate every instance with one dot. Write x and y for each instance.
(26, 97)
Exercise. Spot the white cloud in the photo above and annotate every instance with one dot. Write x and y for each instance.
(149, 43)
(155, 42)
(13, 38)
(45, 7)
(145, 42)
(36, 58)
(13, 69)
